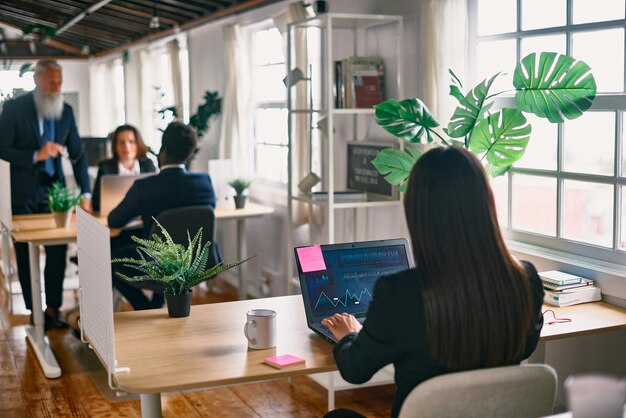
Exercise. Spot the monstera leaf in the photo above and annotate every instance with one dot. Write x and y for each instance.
(471, 108)
(502, 137)
(396, 165)
(409, 119)
(553, 86)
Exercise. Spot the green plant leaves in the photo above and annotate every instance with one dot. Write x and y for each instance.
(396, 165)
(472, 107)
(554, 86)
(60, 199)
(409, 119)
(502, 137)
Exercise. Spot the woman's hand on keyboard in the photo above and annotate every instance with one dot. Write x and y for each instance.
(342, 324)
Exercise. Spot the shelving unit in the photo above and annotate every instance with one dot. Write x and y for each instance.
(342, 36)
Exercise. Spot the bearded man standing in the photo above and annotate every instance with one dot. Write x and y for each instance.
(35, 130)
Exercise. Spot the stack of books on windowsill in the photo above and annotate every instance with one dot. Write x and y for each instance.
(563, 289)
(340, 197)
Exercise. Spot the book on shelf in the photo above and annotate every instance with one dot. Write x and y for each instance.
(342, 196)
(559, 278)
(558, 288)
(573, 296)
(359, 82)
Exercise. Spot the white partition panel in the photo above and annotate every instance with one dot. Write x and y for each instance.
(96, 292)
(5, 195)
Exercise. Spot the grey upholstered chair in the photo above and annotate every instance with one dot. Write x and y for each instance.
(189, 218)
(525, 391)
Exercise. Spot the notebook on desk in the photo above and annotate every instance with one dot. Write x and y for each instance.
(338, 278)
(113, 188)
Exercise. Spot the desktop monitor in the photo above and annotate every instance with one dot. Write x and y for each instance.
(97, 149)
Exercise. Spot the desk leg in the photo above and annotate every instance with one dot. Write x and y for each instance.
(36, 334)
(241, 252)
(150, 405)
(331, 391)
(6, 258)
(539, 355)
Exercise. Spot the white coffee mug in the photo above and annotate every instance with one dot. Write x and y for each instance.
(596, 396)
(260, 328)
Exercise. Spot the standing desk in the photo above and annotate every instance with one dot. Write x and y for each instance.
(37, 230)
(251, 210)
(208, 348)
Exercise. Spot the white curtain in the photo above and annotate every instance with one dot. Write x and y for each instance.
(173, 50)
(301, 135)
(102, 103)
(444, 39)
(234, 142)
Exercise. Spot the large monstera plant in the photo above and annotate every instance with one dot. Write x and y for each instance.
(551, 85)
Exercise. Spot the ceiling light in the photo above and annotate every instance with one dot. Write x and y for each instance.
(155, 22)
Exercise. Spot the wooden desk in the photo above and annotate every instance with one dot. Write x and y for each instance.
(587, 318)
(208, 348)
(37, 230)
(252, 210)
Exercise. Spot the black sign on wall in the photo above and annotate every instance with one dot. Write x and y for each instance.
(362, 175)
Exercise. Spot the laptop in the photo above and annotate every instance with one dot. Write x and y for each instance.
(339, 278)
(113, 188)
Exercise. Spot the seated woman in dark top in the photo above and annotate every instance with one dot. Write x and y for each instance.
(468, 303)
(129, 157)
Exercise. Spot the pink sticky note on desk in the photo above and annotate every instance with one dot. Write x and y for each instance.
(311, 258)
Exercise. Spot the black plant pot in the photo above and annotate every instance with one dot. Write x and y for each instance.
(240, 201)
(178, 306)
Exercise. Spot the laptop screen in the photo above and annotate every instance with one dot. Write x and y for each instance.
(340, 278)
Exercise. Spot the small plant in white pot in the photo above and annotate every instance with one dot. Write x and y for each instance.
(177, 267)
(61, 203)
(240, 186)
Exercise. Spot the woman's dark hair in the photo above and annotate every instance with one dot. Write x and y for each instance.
(179, 142)
(142, 149)
(477, 297)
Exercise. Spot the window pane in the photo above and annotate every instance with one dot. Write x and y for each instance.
(268, 47)
(268, 83)
(541, 152)
(542, 14)
(271, 162)
(500, 187)
(270, 125)
(534, 204)
(588, 212)
(607, 68)
(494, 57)
(585, 11)
(589, 143)
(496, 16)
(548, 43)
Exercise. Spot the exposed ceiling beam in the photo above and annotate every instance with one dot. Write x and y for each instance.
(89, 10)
(139, 13)
(239, 8)
(65, 47)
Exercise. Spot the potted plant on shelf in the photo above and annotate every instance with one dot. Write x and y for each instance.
(239, 185)
(549, 85)
(176, 267)
(61, 203)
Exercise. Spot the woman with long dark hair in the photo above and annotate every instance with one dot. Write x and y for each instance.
(129, 157)
(467, 304)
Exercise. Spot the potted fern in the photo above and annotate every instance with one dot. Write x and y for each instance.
(240, 186)
(61, 203)
(176, 267)
(549, 85)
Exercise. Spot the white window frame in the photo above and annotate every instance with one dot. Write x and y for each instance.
(254, 106)
(614, 102)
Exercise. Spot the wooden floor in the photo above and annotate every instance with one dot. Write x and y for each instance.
(25, 392)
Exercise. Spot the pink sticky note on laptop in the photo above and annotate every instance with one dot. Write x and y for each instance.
(311, 258)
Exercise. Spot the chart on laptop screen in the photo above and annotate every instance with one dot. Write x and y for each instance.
(347, 283)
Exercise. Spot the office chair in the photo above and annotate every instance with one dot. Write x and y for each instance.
(523, 391)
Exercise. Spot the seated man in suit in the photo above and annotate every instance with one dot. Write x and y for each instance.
(173, 187)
